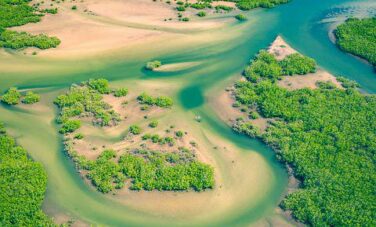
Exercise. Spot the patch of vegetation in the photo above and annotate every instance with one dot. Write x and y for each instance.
(16, 13)
(358, 37)
(121, 92)
(135, 129)
(50, 11)
(151, 65)
(298, 64)
(147, 169)
(161, 101)
(327, 136)
(85, 99)
(201, 14)
(30, 98)
(266, 66)
(153, 124)
(165, 171)
(251, 4)
(11, 97)
(241, 17)
(23, 184)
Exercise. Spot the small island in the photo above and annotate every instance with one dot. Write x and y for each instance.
(148, 155)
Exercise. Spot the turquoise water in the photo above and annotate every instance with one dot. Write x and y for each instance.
(299, 23)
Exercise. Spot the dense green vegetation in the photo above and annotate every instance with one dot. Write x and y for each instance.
(241, 17)
(30, 98)
(148, 170)
(16, 13)
(328, 137)
(18, 40)
(85, 99)
(22, 186)
(181, 6)
(358, 37)
(266, 67)
(251, 4)
(161, 101)
(13, 97)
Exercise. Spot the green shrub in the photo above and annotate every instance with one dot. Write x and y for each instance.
(179, 134)
(70, 126)
(79, 136)
(241, 17)
(153, 124)
(161, 101)
(31, 98)
(121, 92)
(101, 85)
(201, 14)
(11, 97)
(151, 65)
(298, 64)
(135, 129)
(180, 8)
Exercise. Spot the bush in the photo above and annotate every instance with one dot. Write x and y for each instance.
(151, 65)
(101, 85)
(153, 124)
(70, 126)
(201, 14)
(135, 129)
(241, 17)
(31, 98)
(121, 92)
(298, 64)
(179, 134)
(161, 101)
(11, 97)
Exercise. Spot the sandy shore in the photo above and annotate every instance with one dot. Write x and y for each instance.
(105, 25)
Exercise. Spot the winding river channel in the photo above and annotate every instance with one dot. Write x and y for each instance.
(305, 24)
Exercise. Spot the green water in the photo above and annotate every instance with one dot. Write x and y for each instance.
(299, 22)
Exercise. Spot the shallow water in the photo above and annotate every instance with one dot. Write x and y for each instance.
(302, 25)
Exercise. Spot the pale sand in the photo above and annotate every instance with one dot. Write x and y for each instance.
(176, 66)
(280, 49)
(224, 3)
(104, 25)
(308, 81)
